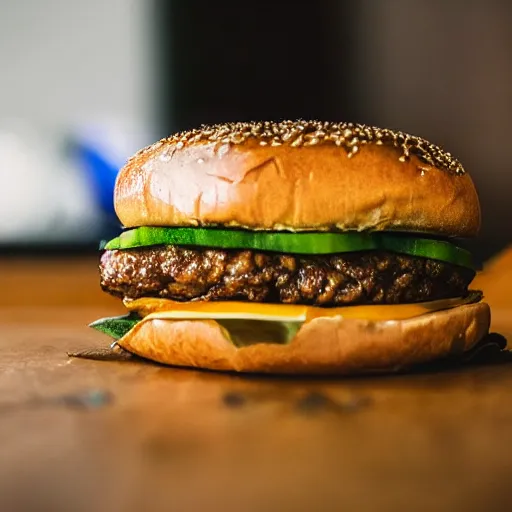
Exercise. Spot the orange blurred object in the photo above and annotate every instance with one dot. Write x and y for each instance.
(496, 283)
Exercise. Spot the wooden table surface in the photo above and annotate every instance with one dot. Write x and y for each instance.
(78, 434)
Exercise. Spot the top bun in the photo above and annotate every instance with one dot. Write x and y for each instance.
(298, 176)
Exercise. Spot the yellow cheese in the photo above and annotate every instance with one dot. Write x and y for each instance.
(220, 310)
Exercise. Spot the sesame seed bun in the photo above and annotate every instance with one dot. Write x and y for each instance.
(298, 176)
(325, 345)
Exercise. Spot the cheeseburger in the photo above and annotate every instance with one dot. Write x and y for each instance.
(294, 247)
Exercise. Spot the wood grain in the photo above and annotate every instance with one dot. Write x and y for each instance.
(85, 435)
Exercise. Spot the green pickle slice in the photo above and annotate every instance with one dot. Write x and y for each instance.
(293, 243)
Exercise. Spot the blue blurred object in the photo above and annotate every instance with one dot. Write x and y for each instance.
(101, 172)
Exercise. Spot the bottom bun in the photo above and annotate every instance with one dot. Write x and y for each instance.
(325, 345)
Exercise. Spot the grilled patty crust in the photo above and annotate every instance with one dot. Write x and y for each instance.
(373, 277)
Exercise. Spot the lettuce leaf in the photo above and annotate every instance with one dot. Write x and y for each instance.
(116, 326)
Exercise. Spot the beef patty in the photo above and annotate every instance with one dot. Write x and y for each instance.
(373, 277)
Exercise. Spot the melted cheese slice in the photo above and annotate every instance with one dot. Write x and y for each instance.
(167, 309)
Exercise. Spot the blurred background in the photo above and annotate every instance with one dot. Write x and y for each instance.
(85, 84)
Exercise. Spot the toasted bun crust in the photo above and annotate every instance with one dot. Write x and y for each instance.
(355, 178)
(322, 346)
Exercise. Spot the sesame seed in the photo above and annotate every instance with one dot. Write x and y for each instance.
(306, 133)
